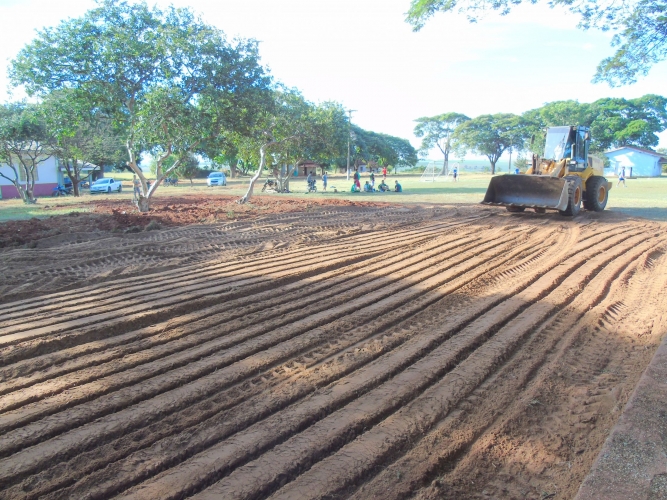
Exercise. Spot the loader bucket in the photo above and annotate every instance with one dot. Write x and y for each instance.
(536, 191)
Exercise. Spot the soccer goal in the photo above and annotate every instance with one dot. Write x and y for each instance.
(433, 173)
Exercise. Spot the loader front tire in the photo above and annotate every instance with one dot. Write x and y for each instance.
(574, 197)
(596, 193)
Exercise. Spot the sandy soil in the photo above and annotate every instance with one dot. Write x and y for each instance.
(321, 351)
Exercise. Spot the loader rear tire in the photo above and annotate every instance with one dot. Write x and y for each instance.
(574, 197)
(596, 193)
(514, 208)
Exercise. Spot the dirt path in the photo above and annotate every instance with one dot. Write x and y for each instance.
(343, 352)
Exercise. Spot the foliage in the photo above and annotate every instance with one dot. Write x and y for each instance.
(83, 135)
(374, 148)
(492, 135)
(639, 26)
(437, 131)
(188, 167)
(292, 130)
(614, 122)
(166, 78)
(521, 163)
(24, 144)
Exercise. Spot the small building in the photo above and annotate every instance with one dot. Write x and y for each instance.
(47, 176)
(638, 162)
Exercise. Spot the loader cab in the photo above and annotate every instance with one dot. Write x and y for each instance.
(568, 142)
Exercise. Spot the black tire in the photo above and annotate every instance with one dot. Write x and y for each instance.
(514, 208)
(109, 189)
(120, 189)
(574, 197)
(596, 195)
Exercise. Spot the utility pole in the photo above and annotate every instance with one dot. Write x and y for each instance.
(349, 134)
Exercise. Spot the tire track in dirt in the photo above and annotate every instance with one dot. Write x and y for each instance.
(224, 423)
(148, 283)
(92, 333)
(328, 476)
(15, 376)
(206, 366)
(508, 391)
(321, 374)
(384, 274)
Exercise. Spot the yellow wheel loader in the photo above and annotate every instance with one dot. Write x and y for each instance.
(563, 179)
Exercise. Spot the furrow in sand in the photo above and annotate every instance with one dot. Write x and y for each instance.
(190, 283)
(143, 413)
(509, 388)
(354, 357)
(181, 351)
(357, 458)
(119, 288)
(279, 301)
(206, 367)
(312, 408)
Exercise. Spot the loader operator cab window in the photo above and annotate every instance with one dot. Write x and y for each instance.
(557, 144)
(580, 149)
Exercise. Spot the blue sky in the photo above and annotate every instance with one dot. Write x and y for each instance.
(361, 53)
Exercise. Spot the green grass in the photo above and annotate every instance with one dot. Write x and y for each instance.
(643, 197)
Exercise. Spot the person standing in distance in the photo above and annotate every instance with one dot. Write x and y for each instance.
(621, 178)
(325, 178)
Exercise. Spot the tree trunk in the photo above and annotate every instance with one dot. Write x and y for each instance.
(233, 167)
(509, 165)
(445, 164)
(262, 158)
(143, 204)
(282, 178)
(493, 167)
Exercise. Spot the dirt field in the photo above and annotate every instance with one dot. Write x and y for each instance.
(320, 351)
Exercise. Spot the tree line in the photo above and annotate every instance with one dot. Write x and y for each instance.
(126, 79)
(614, 122)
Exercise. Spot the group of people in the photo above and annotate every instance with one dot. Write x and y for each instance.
(369, 187)
(382, 187)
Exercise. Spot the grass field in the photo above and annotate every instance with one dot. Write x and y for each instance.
(646, 197)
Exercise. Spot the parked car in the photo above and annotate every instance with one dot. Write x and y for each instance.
(216, 179)
(106, 185)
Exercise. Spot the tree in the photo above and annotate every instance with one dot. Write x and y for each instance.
(83, 136)
(492, 135)
(436, 131)
(628, 122)
(168, 80)
(188, 167)
(405, 155)
(293, 131)
(614, 122)
(640, 27)
(24, 144)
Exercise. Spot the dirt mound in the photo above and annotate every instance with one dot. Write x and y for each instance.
(120, 216)
(335, 352)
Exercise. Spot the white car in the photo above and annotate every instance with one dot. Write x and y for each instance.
(216, 179)
(106, 185)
